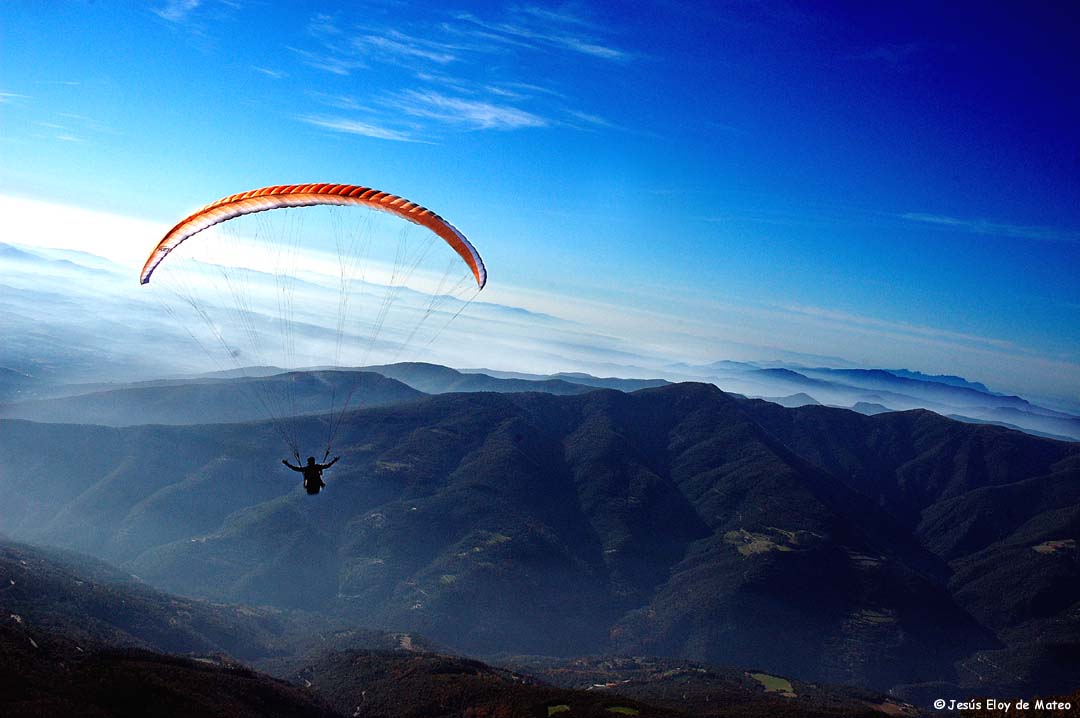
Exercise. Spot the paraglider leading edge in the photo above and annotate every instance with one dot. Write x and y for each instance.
(306, 195)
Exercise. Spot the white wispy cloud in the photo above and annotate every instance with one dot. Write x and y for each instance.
(176, 10)
(522, 90)
(69, 127)
(590, 48)
(484, 40)
(503, 92)
(322, 25)
(589, 119)
(473, 113)
(997, 229)
(545, 35)
(274, 74)
(397, 44)
(899, 328)
(558, 16)
(338, 102)
(457, 84)
(335, 64)
(11, 97)
(356, 127)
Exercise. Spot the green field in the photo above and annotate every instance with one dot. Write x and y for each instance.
(774, 684)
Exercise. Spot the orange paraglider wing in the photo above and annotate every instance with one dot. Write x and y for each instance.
(306, 195)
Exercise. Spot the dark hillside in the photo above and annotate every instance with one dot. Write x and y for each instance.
(910, 460)
(92, 603)
(52, 676)
(399, 684)
(710, 691)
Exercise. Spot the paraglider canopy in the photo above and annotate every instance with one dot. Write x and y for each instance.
(306, 195)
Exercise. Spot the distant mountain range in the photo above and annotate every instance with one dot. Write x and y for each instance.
(900, 551)
(192, 400)
(262, 392)
(889, 390)
(435, 379)
(206, 401)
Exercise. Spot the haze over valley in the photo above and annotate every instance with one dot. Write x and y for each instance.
(64, 348)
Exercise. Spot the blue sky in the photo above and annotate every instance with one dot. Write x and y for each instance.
(888, 186)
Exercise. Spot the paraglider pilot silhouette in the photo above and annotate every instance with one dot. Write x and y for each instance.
(312, 473)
